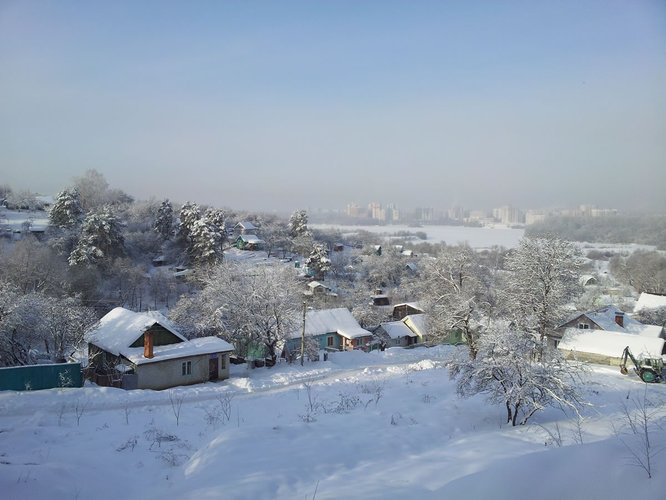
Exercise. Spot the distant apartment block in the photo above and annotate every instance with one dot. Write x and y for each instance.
(534, 216)
(377, 212)
(426, 214)
(508, 215)
(353, 210)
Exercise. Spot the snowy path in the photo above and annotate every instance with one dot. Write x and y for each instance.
(377, 425)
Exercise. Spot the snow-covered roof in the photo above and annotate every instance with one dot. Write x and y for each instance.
(338, 320)
(120, 328)
(418, 321)
(607, 343)
(649, 301)
(397, 329)
(413, 305)
(605, 318)
(194, 347)
(315, 284)
(251, 238)
(246, 225)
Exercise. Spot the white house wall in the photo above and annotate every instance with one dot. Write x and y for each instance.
(165, 374)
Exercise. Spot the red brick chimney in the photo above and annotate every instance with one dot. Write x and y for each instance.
(148, 341)
(619, 318)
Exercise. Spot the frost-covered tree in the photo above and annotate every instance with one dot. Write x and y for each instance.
(298, 223)
(542, 278)
(248, 307)
(204, 243)
(275, 235)
(24, 200)
(164, 222)
(33, 267)
(509, 372)
(189, 214)
(318, 261)
(644, 270)
(101, 240)
(20, 326)
(357, 298)
(454, 293)
(66, 211)
(385, 270)
(64, 322)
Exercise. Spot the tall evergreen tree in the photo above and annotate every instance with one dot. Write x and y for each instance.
(67, 211)
(164, 222)
(101, 239)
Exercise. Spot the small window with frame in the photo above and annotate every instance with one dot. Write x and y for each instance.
(186, 368)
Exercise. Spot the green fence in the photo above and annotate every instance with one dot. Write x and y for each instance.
(35, 377)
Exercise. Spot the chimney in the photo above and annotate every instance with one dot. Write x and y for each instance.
(148, 341)
(619, 318)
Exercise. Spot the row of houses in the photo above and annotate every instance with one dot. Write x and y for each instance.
(144, 350)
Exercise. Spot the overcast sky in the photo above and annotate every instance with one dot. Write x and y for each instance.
(284, 105)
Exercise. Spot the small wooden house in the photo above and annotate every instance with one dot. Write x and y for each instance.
(334, 329)
(405, 309)
(245, 228)
(145, 351)
(249, 242)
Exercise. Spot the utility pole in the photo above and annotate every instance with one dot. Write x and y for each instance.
(303, 336)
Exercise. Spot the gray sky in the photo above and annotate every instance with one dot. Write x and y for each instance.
(282, 105)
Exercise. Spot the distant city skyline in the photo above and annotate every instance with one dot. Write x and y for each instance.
(276, 106)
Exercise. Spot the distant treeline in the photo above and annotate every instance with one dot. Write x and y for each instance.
(644, 230)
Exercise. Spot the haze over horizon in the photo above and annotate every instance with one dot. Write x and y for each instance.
(283, 105)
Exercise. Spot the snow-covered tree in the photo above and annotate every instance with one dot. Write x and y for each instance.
(298, 223)
(64, 322)
(204, 243)
(20, 326)
(385, 270)
(189, 214)
(66, 211)
(318, 261)
(543, 277)
(509, 372)
(454, 293)
(164, 222)
(33, 267)
(357, 299)
(275, 235)
(257, 306)
(101, 239)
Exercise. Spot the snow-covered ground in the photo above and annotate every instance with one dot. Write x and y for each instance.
(13, 220)
(377, 425)
(476, 237)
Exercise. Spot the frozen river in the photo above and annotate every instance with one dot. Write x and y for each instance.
(476, 237)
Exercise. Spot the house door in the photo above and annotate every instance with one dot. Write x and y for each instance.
(213, 373)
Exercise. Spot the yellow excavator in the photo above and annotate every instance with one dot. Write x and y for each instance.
(649, 369)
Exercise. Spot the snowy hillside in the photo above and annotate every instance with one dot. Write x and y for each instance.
(378, 425)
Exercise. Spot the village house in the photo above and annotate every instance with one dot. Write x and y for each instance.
(145, 351)
(396, 334)
(249, 242)
(405, 309)
(334, 329)
(601, 335)
(245, 228)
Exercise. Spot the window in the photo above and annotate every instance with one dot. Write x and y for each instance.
(329, 341)
(223, 361)
(186, 368)
(583, 326)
